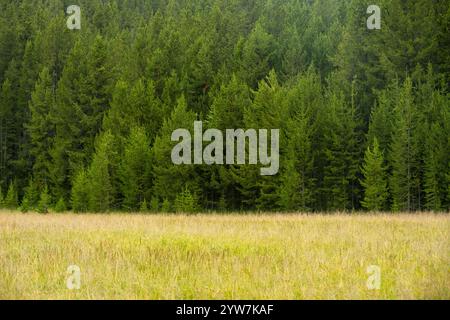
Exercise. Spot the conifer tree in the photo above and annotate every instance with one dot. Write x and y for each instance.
(436, 158)
(60, 206)
(44, 201)
(135, 169)
(101, 194)
(227, 111)
(1, 198)
(11, 199)
(40, 127)
(403, 159)
(80, 192)
(342, 153)
(6, 132)
(185, 202)
(297, 182)
(170, 179)
(374, 181)
(143, 206)
(32, 194)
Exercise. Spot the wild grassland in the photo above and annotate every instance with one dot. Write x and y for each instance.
(224, 257)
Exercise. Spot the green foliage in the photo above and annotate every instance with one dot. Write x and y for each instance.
(135, 169)
(25, 205)
(7, 123)
(143, 207)
(342, 154)
(11, 200)
(404, 149)
(60, 206)
(80, 192)
(166, 206)
(170, 179)
(90, 114)
(44, 201)
(1, 198)
(32, 193)
(185, 202)
(40, 126)
(154, 204)
(100, 196)
(374, 183)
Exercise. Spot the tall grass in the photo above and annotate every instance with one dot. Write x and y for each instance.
(224, 257)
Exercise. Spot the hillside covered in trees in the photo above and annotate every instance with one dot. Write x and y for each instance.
(86, 115)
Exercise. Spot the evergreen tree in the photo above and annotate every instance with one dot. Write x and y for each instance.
(100, 196)
(32, 194)
(403, 159)
(44, 201)
(154, 204)
(185, 202)
(6, 132)
(435, 166)
(25, 205)
(143, 206)
(1, 198)
(40, 127)
(266, 112)
(374, 182)
(60, 206)
(12, 199)
(342, 152)
(380, 126)
(171, 179)
(81, 100)
(80, 192)
(227, 111)
(297, 183)
(135, 169)
(166, 206)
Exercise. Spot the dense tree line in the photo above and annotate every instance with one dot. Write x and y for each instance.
(86, 115)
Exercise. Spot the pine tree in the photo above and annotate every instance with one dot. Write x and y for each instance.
(25, 205)
(435, 168)
(100, 197)
(80, 192)
(7, 132)
(342, 152)
(166, 206)
(257, 55)
(403, 153)
(171, 179)
(374, 182)
(299, 173)
(154, 204)
(40, 127)
(1, 198)
(12, 199)
(380, 126)
(138, 105)
(185, 202)
(82, 98)
(297, 182)
(135, 169)
(266, 112)
(31, 194)
(143, 207)
(432, 129)
(60, 206)
(44, 201)
(227, 111)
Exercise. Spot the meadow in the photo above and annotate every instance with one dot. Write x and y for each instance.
(211, 256)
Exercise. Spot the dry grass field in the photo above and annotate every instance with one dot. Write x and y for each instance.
(224, 257)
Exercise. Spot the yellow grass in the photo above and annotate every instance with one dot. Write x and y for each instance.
(224, 257)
